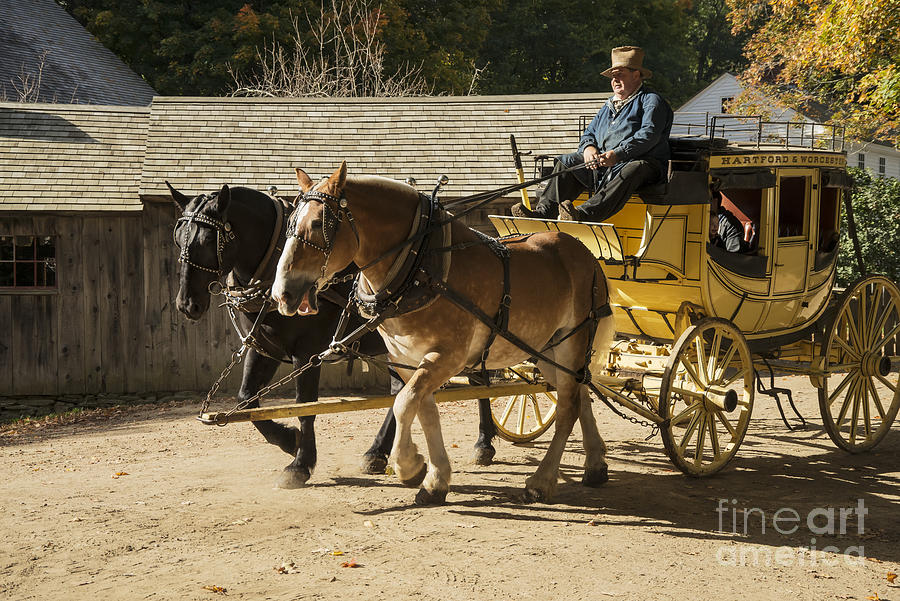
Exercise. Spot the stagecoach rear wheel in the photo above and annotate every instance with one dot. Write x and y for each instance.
(707, 396)
(523, 417)
(859, 394)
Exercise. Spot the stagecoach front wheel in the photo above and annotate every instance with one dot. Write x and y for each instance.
(523, 417)
(707, 396)
(859, 393)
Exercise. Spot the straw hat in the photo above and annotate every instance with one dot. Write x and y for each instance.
(630, 57)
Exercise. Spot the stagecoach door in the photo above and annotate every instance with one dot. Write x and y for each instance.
(795, 193)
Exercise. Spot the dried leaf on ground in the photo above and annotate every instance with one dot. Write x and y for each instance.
(350, 564)
(219, 590)
(891, 577)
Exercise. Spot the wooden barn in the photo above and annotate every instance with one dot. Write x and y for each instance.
(87, 263)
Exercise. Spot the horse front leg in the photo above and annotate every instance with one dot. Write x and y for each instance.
(375, 459)
(299, 471)
(415, 399)
(259, 371)
(541, 486)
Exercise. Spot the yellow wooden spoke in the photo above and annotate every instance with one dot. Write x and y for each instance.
(724, 419)
(714, 437)
(701, 360)
(877, 398)
(537, 410)
(867, 420)
(741, 374)
(849, 320)
(854, 354)
(508, 410)
(872, 310)
(854, 421)
(885, 339)
(684, 414)
(891, 386)
(689, 431)
(851, 393)
(712, 366)
(850, 377)
(522, 409)
(726, 361)
(882, 319)
(701, 440)
(692, 373)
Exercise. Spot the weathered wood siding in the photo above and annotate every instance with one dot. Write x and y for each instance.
(111, 326)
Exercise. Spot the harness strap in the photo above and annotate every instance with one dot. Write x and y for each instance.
(501, 321)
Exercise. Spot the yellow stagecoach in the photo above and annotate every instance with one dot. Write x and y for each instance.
(697, 322)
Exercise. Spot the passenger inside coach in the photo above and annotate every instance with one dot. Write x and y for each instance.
(726, 231)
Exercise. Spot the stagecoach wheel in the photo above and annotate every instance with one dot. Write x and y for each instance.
(707, 395)
(859, 394)
(523, 417)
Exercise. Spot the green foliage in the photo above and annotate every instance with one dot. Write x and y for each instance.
(184, 47)
(876, 211)
(542, 46)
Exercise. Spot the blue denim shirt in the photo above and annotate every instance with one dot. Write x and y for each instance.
(639, 130)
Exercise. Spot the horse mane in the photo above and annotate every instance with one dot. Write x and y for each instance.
(377, 184)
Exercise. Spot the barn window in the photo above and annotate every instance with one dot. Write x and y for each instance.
(861, 160)
(725, 104)
(27, 262)
(882, 166)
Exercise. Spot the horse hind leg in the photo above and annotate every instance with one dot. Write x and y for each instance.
(541, 486)
(484, 448)
(596, 471)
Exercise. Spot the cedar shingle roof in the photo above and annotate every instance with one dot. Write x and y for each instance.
(77, 68)
(56, 157)
(198, 144)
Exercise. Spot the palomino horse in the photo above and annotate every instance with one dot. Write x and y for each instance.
(552, 285)
(231, 232)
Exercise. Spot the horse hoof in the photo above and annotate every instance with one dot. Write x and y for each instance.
(484, 455)
(417, 479)
(293, 477)
(438, 497)
(595, 478)
(533, 495)
(374, 464)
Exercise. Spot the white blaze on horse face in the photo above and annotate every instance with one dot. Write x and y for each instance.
(286, 273)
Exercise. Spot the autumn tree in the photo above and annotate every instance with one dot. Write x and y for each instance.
(834, 60)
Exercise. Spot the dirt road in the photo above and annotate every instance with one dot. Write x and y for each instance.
(149, 504)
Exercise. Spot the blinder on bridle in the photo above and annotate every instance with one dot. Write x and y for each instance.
(223, 230)
(334, 211)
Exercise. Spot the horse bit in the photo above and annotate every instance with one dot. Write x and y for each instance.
(224, 234)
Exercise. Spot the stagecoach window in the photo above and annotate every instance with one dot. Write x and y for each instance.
(829, 202)
(792, 201)
(746, 204)
(27, 262)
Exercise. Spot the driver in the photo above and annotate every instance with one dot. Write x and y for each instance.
(626, 146)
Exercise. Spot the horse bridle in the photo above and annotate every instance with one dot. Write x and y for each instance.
(331, 220)
(224, 234)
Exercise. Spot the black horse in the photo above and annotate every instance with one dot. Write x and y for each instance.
(238, 233)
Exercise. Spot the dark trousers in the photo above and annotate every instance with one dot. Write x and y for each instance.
(611, 187)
